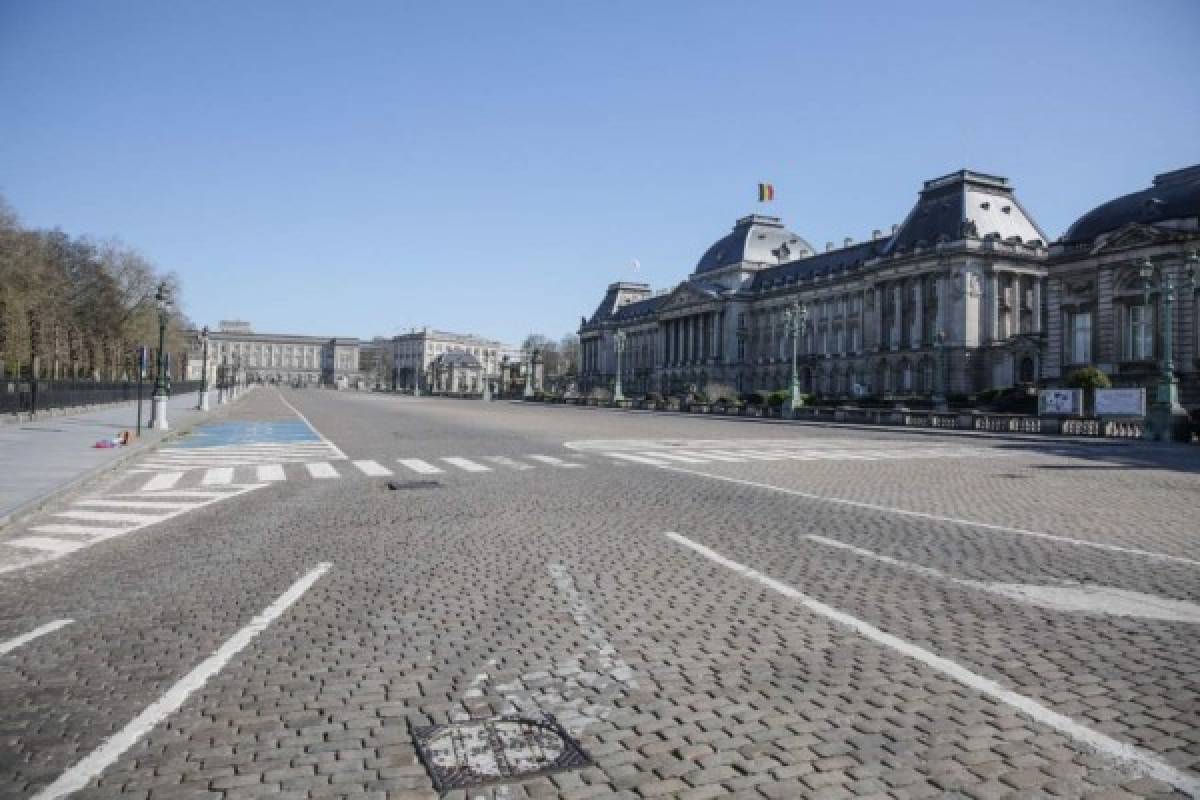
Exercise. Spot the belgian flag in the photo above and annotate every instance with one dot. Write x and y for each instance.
(766, 192)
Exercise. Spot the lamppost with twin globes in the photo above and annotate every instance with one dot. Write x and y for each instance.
(203, 406)
(795, 318)
(1167, 419)
(939, 396)
(163, 300)
(619, 346)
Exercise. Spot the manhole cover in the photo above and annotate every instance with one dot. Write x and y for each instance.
(397, 486)
(481, 751)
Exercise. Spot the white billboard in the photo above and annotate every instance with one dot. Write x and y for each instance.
(1120, 402)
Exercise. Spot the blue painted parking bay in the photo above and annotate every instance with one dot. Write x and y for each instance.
(223, 434)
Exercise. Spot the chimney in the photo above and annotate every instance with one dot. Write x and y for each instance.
(875, 234)
(828, 246)
(847, 241)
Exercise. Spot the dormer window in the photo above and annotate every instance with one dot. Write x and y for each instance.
(985, 205)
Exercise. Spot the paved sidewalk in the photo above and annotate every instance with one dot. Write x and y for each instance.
(43, 457)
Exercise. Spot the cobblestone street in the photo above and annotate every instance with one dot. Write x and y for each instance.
(712, 607)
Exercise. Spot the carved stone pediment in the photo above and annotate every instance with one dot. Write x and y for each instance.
(1132, 236)
(685, 296)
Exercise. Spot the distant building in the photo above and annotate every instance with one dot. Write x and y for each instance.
(1098, 312)
(441, 361)
(278, 358)
(963, 274)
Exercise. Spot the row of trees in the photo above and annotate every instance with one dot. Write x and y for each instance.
(76, 307)
(560, 359)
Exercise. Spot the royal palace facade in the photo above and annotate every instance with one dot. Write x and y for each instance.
(968, 286)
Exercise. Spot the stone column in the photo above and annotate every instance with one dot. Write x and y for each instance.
(918, 326)
(897, 314)
(1037, 304)
(995, 332)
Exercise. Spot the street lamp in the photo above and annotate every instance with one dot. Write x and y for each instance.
(795, 318)
(163, 300)
(1167, 419)
(939, 396)
(487, 382)
(204, 369)
(619, 345)
(504, 376)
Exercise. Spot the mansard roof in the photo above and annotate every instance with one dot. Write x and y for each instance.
(756, 239)
(832, 262)
(961, 204)
(1174, 196)
(639, 308)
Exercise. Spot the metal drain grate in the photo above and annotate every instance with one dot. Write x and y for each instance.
(483, 751)
(397, 486)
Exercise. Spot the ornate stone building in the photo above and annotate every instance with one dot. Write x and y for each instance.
(446, 362)
(967, 263)
(1099, 315)
(278, 357)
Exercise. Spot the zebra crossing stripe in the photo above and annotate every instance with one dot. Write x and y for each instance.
(46, 544)
(674, 457)
(217, 476)
(165, 505)
(710, 455)
(108, 516)
(639, 459)
(65, 529)
(554, 462)
(372, 468)
(270, 472)
(163, 480)
(466, 464)
(321, 469)
(504, 461)
(417, 465)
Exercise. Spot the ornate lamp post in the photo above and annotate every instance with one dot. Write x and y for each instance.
(1167, 419)
(163, 299)
(204, 369)
(487, 383)
(939, 395)
(795, 318)
(619, 346)
(530, 355)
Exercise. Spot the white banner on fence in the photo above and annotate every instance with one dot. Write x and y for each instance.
(1063, 402)
(1120, 402)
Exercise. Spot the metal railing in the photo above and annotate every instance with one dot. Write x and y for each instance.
(26, 396)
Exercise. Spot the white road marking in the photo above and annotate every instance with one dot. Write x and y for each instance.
(166, 505)
(672, 457)
(79, 775)
(1064, 597)
(1132, 758)
(46, 544)
(163, 480)
(25, 638)
(71, 530)
(466, 464)
(372, 468)
(198, 493)
(940, 518)
(554, 462)
(639, 459)
(321, 469)
(270, 472)
(710, 455)
(417, 465)
(310, 425)
(508, 462)
(107, 516)
(217, 476)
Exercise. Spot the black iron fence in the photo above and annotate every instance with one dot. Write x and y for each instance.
(25, 396)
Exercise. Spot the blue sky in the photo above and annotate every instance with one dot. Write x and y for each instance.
(358, 168)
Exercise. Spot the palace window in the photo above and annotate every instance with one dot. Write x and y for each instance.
(1080, 341)
(1139, 333)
